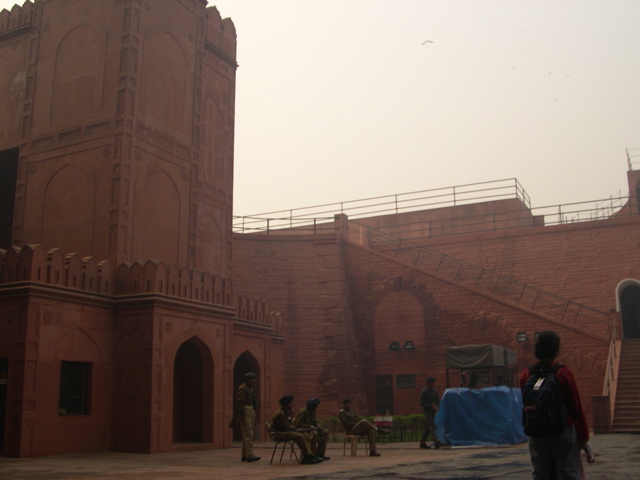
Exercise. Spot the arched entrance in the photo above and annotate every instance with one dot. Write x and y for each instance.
(193, 393)
(628, 295)
(244, 364)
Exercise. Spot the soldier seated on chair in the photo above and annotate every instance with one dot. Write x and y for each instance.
(306, 421)
(353, 425)
(283, 430)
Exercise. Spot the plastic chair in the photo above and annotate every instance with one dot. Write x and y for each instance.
(284, 443)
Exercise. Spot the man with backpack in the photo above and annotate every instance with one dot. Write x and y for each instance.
(553, 417)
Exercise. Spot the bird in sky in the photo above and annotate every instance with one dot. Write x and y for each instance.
(427, 41)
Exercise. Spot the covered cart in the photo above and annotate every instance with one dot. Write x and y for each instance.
(487, 408)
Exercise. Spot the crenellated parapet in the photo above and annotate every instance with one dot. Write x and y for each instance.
(168, 279)
(32, 263)
(18, 16)
(258, 310)
(220, 33)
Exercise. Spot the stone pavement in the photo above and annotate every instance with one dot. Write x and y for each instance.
(617, 458)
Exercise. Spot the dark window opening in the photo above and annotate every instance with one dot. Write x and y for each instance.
(630, 309)
(405, 381)
(384, 394)
(8, 180)
(75, 382)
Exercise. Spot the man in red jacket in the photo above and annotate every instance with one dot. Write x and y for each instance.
(558, 457)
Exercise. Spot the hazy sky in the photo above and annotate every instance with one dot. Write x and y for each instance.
(342, 99)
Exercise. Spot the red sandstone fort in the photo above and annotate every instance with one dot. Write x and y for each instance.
(132, 302)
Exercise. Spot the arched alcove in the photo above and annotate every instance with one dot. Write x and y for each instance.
(193, 393)
(245, 363)
(156, 225)
(68, 211)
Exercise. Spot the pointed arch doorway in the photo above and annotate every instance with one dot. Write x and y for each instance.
(193, 393)
(628, 302)
(245, 363)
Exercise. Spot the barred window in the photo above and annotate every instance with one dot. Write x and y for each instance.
(405, 381)
(75, 381)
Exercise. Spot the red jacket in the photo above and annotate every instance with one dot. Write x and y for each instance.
(570, 397)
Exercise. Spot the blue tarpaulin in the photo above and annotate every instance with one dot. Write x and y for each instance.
(487, 416)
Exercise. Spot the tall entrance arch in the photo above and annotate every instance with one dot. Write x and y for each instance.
(246, 363)
(193, 393)
(628, 296)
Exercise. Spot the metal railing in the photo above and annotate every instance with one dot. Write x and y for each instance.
(541, 216)
(309, 218)
(633, 157)
(320, 219)
(482, 279)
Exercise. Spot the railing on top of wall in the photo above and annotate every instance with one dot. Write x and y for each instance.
(479, 278)
(311, 218)
(494, 221)
(319, 219)
(633, 157)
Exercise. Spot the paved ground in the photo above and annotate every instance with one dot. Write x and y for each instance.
(617, 458)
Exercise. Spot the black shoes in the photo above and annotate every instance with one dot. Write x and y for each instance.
(435, 444)
(373, 453)
(250, 459)
(309, 460)
(324, 457)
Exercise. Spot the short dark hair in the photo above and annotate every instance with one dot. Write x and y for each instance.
(547, 345)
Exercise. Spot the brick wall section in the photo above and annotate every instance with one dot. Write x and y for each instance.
(303, 277)
(343, 304)
(583, 261)
(453, 316)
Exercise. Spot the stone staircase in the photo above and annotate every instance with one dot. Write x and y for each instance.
(626, 416)
(472, 276)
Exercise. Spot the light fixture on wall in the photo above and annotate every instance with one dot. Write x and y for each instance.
(394, 346)
(522, 337)
(408, 345)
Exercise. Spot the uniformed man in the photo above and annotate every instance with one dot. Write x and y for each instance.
(354, 425)
(244, 411)
(306, 421)
(282, 429)
(430, 402)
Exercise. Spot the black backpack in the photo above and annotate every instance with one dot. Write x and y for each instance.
(544, 414)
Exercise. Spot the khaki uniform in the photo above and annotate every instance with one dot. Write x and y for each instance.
(354, 426)
(306, 419)
(244, 409)
(282, 429)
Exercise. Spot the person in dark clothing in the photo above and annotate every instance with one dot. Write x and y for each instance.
(558, 458)
(430, 402)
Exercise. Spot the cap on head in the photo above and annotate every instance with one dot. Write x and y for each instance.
(313, 402)
(346, 401)
(431, 380)
(286, 400)
(249, 375)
